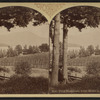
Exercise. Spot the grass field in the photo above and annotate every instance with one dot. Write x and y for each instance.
(35, 83)
(39, 63)
(86, 85)
(83, 61)
(38, 60)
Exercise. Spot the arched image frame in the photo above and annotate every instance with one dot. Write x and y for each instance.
(35, 13)
(57, 16)
(66, 5)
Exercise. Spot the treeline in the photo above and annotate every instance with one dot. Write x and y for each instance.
(82, 52)
(25, 50)
(90, 50)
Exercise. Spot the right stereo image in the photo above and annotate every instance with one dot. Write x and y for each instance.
(75, 51)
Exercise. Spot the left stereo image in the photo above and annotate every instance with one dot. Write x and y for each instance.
(24, 51)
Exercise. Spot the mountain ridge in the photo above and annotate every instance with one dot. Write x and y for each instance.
(23, 38)
(3, 45)
(69, 45)
(73, 45)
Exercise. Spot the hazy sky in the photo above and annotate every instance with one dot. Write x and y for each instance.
(40, 34)
(87, 37)
(29, 35)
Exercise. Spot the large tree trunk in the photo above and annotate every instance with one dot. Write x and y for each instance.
(54, 76)
(51, 56)
(52, 32)
(65, 47)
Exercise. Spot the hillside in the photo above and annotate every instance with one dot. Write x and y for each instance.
(3, 45)
(22, 38)
(73, 45)
(83, 61)
(38, 60)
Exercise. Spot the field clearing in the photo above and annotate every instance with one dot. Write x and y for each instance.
(83, 61)
(38, 60)
(81, 64)
(35, 72)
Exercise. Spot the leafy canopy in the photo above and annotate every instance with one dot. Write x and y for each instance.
(19, 16)
(81, 17)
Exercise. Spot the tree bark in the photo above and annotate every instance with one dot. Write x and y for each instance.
(52, 32)
(51, 35)
(54, 76)
(65, 48)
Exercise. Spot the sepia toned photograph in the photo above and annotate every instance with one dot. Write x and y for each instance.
(24, 51)
(49, 49)
(75, 51)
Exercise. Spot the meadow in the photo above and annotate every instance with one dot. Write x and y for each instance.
(83, 61)
(86, 77)
(38, 60)
(36, 82)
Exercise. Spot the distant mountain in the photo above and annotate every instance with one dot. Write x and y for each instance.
(73, 45)
(22, 38)
(3, 45)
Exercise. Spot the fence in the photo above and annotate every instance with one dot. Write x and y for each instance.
(3, 77)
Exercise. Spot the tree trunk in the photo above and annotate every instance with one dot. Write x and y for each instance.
(54, 76)
(65, 47)
(51, 58)
(52, 32)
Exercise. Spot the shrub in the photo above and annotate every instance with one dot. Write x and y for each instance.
(93, 68)
(22, 68)
(73, 54)
(2, 69)
(74, 69)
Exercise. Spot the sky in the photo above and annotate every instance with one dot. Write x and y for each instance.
(29, 35)
(88, 36)
(40, 34)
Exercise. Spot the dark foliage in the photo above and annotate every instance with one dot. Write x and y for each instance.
(74, 69)
(25, 85)
(22, 68)
(19, 16)
(93, 68)
(18, 49)
(44, 47)
(97, 50)
(86, 85)
(81, 17)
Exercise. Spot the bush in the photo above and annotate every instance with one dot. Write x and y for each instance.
(93, 69)
(2, 69)
(74, 69)
(22, 68)
(73, 54)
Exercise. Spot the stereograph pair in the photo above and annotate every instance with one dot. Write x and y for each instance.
(57, 57)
